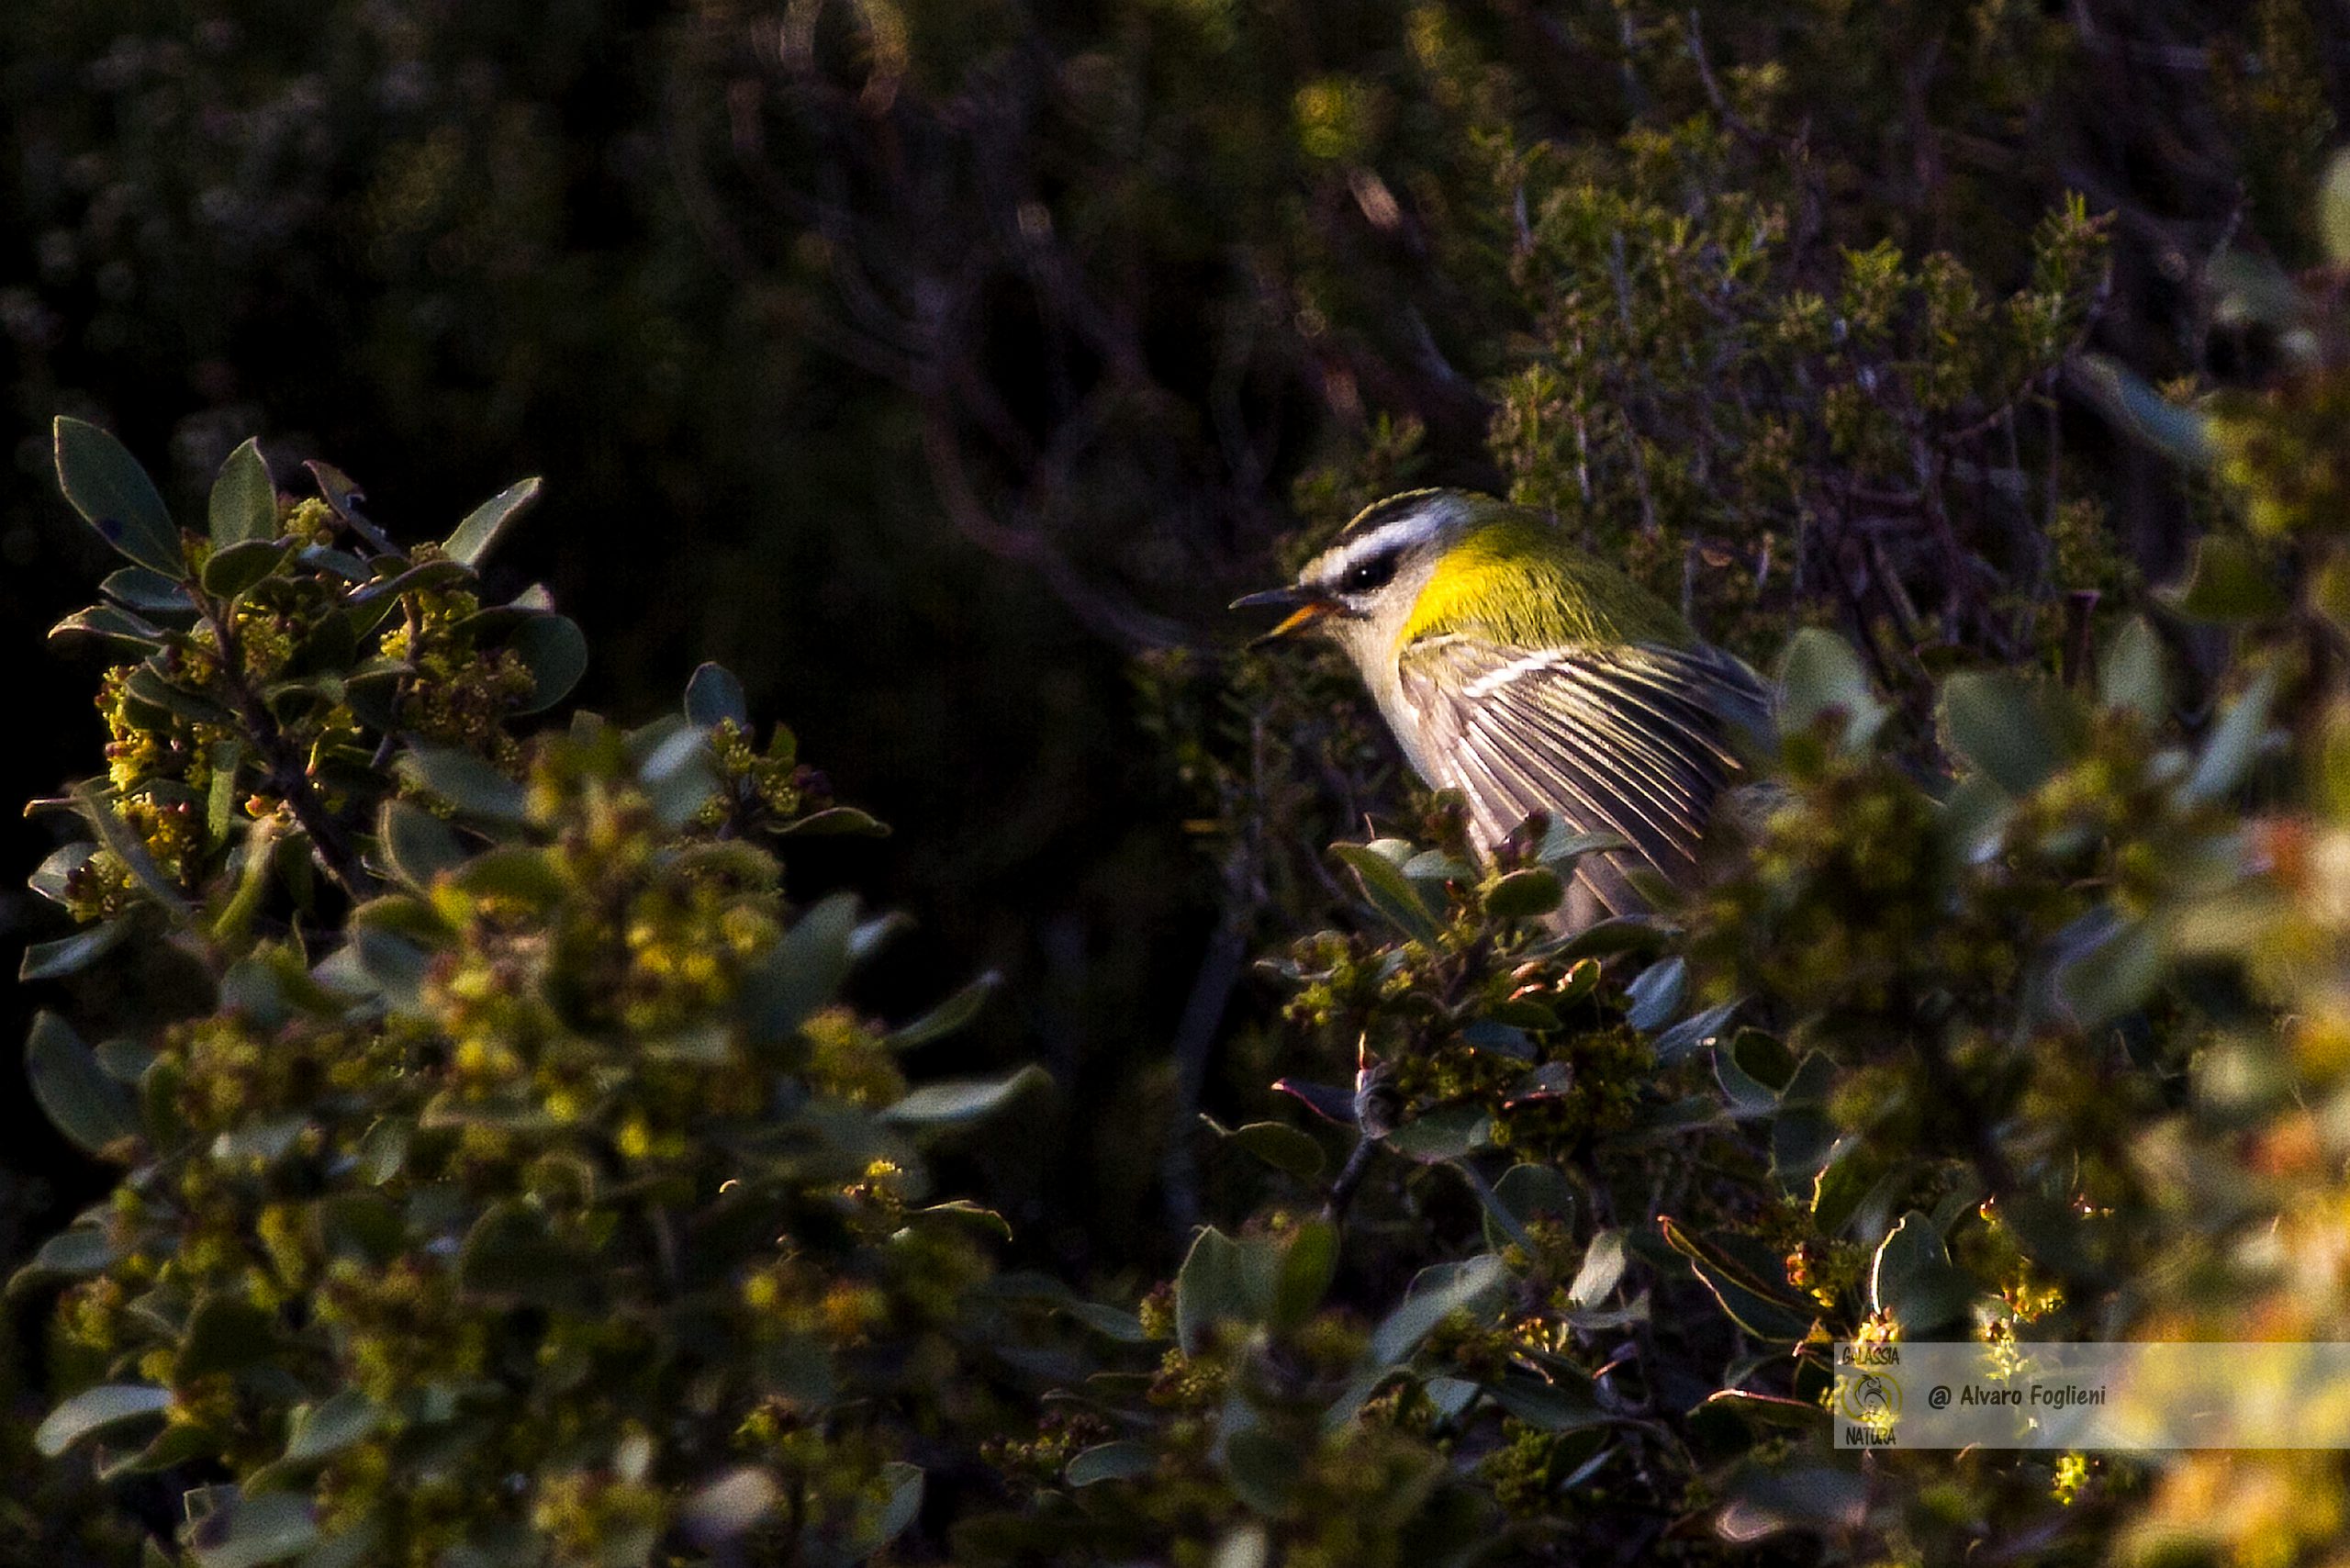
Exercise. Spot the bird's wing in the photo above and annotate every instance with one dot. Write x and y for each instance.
(1636, 741)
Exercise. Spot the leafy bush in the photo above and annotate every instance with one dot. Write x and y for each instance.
(521, 1165)
(503, 1176)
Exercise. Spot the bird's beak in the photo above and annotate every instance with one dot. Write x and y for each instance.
(1304, 611)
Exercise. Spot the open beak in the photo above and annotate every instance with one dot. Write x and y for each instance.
(1304, 611)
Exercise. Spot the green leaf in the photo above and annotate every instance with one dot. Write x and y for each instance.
(324, 1429)
(904, 1505)
(1911, 1277)
(1308, 1265)
(57, 869)
(482, 527)
(1503, 1039)
(84, 1249)
(339, 490)
(172, 1447)
(2227, 757)
(95, 1409)
(379, 595)
(71, 954)
(220, 795)
(713, 694)
(467, 783)
(1111, 1322)
(150, 686)
(2229, 584)
(518, 872)
(417, 844)
(553, 649)
(1546, 1406)
(1998, 724)
(2180, 434)
(2114, 977)
(87, 1106)
(150, 593)
(954, 1014)
(1656, 995)
(1211, 1287)
(107, 486)
(674, 766)
(1739, 1287)
(955, 1104)
(395, 964)
(2131, 676)
(730, 1507)
(1602, 1268)
(1112, 1462)
(233, 568)
(1699, 1029)
(963, 1211)
(1821, 675)
(1446, 1132)
(269, 1528)
(1389, 893)
(1437, 1292)
(118, 628)
(1830, 1500)
(90, 799)
(1278, 1145)
(383, 1149)
(802, 971)
(834, 821)
(2334, 208)
(245, 498)
(1527, 894)
(1562, 846)
(1430, 869)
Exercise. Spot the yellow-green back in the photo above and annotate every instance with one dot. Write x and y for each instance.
(1511, 578)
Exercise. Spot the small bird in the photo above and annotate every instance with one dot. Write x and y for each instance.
(1530, 676)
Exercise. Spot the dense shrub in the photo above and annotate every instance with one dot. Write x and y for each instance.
(500, 1171)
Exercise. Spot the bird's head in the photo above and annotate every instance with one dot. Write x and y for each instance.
(1361, 591)
(1431, 563)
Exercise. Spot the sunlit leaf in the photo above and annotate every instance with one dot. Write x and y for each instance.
(1387, 890)
(956, 1103)
(1437, 1292)
(245, 498)
(324, 1429)
(1821, 675)
(954, 1014)
(1210, 1288)
(269, 1527)
(486, 524)
(95, 1409)
(1112, 1462)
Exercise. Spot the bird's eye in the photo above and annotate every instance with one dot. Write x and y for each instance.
(1367, 575)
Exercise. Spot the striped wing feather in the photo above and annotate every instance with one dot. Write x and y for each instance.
(1636, 741)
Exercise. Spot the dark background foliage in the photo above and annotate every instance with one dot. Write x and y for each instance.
(927, 363)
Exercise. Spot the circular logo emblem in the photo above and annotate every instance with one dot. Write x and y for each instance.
(1871, 1396)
